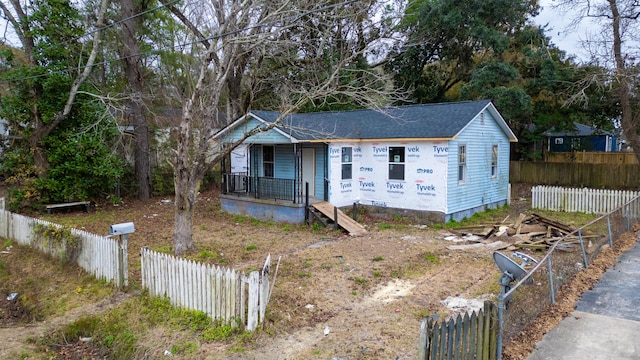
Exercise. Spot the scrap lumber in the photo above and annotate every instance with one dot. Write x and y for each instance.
(528, 231)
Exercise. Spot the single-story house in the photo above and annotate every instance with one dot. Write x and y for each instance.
(436, 162)
(580, 138)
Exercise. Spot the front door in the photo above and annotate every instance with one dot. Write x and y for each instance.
(309, 170)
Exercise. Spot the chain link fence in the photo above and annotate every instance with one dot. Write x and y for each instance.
(524, 301)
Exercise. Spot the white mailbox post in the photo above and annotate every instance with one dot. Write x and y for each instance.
(122, 231)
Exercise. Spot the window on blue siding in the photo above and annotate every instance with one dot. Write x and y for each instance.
(347, 163)
(268, 160)
(462, 163)
(494, 161)
(576, 144)
(396, 163)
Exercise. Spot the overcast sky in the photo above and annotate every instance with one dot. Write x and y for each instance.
(557, 23)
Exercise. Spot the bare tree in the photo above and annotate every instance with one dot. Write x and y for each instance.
(614, 46)
(289, 47)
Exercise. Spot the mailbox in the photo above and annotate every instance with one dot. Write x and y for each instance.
(121, 229)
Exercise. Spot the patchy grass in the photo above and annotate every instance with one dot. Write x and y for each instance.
(47, 287)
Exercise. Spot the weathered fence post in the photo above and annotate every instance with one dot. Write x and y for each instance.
(501, 308)
(123, 261)
(584, 253)
(553, 295)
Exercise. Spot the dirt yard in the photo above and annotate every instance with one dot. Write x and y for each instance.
(335, 296)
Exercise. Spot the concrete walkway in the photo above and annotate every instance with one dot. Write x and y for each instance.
(606, 322)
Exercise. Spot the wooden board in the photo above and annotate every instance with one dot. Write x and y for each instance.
(345, 222)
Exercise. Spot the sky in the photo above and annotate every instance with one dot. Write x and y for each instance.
(557, 22)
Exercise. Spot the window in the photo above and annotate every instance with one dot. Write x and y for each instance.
(396, 163)
(267, 161)
(576, 144)
(346, 163)
(494, 161)
(559, 141)
(462, 163)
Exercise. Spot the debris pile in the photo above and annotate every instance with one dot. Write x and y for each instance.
(533, 232)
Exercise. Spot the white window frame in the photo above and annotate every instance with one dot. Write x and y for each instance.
(494, 161)
(462, 163)
(271, 162)
(399, 161)
(346, 160)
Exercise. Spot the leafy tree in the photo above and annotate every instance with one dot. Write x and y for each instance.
(446, 39)
(42, 104)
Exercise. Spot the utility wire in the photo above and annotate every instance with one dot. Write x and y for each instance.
(218, 36)
(114, 24)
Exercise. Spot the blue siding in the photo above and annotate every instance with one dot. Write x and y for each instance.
(583, 143)
(321, 161)
(480, 188)
(270, 137)
(285, 159)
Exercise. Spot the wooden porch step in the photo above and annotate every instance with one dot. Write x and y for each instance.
(344, 221)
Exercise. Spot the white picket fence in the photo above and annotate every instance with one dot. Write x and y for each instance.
(591, 201)
(103, 257)
(224, 295)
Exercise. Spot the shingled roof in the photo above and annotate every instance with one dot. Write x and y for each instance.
(425, 121)
(578, 130)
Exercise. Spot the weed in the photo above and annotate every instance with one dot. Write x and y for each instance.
(7, 243)
(287, 227)
(165, 249)
(187, 348)
(60, 238)
(255, 222)
(432, 258)
(306, 263)
(304, 274)
(250, 247)
(219, 332)
(238, 218)
(395, 274)
(378, 258)
(354, 293)
(206, 255)
(384, 226)
(363, 282)
(316, 227)
(377, 274)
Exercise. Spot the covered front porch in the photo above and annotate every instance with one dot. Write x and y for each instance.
(274, 181)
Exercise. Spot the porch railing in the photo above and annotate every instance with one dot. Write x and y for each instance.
(260, 187)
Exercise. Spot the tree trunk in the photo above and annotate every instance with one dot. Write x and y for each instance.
(183, 217)
(135, 80)
(185, 199)
(628, 121)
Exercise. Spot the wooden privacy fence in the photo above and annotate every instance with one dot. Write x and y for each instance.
(606, 176)
(103, 257)
(592, 157)
(224, 295)
(591, 201)
(468, 337)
